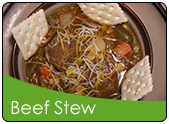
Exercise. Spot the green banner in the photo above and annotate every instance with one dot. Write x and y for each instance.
(26, 102)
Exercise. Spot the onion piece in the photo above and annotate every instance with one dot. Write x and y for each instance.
(65, 19)
(101, 44)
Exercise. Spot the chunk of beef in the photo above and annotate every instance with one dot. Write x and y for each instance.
(109, 87)
(59, 57)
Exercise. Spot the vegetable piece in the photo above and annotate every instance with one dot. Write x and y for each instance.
(125, 35)
(33, 65)
(109, 44)
(136, 49)
(100, 56)
(122, 49)
(44, 72)
(31, 70)
(120, 66)
(101, 44)
(65, 19)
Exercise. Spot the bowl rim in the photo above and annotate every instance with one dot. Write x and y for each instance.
(148, 43)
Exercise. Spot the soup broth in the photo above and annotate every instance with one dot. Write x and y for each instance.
(81, 56)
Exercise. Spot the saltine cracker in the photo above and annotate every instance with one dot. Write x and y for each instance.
(108, 13)
(30, 32)
(138, 81)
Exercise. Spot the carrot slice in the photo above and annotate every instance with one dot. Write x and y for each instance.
(44, 72)
(122, 49)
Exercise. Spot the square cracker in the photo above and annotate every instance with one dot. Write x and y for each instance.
(138, 81)
(108, 13)
(29, 33)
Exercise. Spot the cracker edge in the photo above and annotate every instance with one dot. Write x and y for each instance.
(149, 71)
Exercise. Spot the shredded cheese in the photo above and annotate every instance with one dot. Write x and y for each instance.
(67, 58)
(60, 66)
(67, 36)
(104, 74)
(61, 40)
(59, 89)
(87, 51)
(83, 75)
(77, 48)
(87, 36)
(97, 82)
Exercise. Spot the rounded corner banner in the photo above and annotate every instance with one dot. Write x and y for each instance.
(26, 102)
